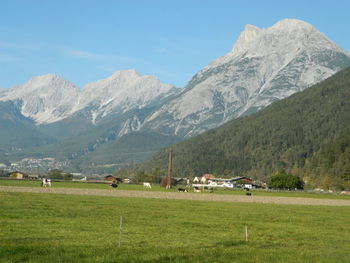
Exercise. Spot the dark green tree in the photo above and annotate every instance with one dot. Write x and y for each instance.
(280, 180)
(68, 177)
(4, 173)
(55, 174)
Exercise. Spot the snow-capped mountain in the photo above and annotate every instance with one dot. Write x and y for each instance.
(44, 99)
(123, 91)
(263, 66)
(50, 98)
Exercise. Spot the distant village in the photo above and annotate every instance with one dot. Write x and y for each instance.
(204, 182)
(40, 165)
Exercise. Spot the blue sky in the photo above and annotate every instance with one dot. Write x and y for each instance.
(86, 40)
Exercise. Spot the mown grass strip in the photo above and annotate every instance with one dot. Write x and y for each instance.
(157, 188)
(68, 228)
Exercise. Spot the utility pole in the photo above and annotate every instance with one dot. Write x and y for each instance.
(170, 169)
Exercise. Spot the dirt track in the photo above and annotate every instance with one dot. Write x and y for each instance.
(181, 196)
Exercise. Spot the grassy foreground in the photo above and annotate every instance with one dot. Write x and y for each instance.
(68, 228)
(155, 187)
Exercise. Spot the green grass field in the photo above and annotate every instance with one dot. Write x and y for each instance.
(69, 228)
(26, 183)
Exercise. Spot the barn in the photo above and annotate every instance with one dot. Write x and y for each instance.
(17, 175)
(33, 176)
(110, 178)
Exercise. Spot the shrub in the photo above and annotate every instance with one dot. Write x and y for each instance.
(285, 181)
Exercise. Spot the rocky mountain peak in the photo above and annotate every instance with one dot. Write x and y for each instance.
(248, 35)
(122, 91)
(286, 36)
(125, 73)
(264, 65)
(45, 98)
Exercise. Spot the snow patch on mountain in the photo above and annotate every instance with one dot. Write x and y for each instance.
(45, 99)
(130, 125)
(263, 66)
(50, 98)
(123, 91)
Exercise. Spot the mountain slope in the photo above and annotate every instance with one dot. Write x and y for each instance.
(49, 98)
(282, 135)
(44, 99)
(330, 165)
(18, 132)
(265, 65)
(123, 91)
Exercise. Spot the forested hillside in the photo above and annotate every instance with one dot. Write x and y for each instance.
(331, 164)
(284, 135)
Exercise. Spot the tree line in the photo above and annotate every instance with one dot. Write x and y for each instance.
(306, 135)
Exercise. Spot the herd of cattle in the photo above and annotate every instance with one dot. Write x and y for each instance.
(146, 185)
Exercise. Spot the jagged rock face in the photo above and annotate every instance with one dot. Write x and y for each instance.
(44, 99)
(49, 98)
(122, 92)
(263, 66)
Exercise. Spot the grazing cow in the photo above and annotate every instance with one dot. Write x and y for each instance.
(227, 185)
(208, 189)
(114, 185)
(248, 193)
(46, 183)
(147, 185)
(182, 190)
(196, 190)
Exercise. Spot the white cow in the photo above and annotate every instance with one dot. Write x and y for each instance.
(227, 185)
(46, 183)
(147, 185)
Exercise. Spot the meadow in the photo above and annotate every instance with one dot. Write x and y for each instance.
(155, 187)
(70, 228)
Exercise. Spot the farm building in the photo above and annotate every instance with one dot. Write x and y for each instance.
(204, 178)
(196, 180)
(180, 180)
(33, 176)
(17, 175)
(110, 178)
(242, 179)
(164, 181)
(234, 180)
(207, 177)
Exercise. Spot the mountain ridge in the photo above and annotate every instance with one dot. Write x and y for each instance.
(264, 65)
(124, 85)
(286, 135)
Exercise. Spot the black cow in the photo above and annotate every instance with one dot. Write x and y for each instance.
(114, 185)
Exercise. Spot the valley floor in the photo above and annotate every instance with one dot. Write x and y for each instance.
(181, 196)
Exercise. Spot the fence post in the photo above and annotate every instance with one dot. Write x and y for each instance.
(120, 230)
(246, 233)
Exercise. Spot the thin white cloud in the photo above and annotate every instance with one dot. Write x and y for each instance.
(11, 45)
(88, 55)
(6, 58)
